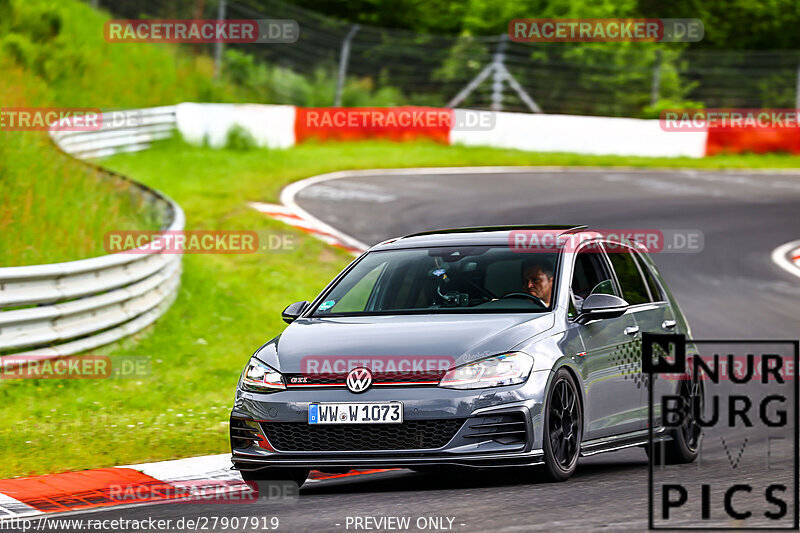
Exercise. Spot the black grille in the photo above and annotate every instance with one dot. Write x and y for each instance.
(410, 435)
(506, 428)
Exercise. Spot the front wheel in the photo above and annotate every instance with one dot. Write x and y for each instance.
(298, 475)
(563, 427)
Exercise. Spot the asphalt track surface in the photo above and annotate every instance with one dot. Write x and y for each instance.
(730, 289)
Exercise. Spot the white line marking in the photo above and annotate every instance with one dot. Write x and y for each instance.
(11, 507)
(205, 467)
(780, 256)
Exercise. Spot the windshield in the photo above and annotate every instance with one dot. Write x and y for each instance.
(443, 280)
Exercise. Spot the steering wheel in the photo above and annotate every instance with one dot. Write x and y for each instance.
(531, 297)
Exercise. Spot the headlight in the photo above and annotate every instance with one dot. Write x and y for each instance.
(259, 377)
(506, 369)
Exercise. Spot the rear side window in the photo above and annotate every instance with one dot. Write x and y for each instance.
(655, 291)
(634, 290)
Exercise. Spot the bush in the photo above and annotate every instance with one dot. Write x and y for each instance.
(18, 48)
(239, 139)
(654, 111)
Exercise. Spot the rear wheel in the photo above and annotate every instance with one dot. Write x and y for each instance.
(298, 475)
(685, 444)
(563, 426)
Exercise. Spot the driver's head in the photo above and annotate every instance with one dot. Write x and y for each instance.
(537, 279)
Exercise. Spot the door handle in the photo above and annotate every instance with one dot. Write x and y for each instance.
(631, 330)
(668, 324)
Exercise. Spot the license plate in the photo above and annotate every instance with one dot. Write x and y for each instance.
(355, 413)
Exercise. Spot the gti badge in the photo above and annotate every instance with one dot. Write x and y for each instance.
(359, 380)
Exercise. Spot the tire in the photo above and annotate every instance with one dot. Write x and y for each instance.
(298, 475)
(563, 427)
(684, 445)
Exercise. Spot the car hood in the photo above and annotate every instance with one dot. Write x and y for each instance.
(462, 338)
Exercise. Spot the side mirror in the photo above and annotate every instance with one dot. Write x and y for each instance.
(598, 306)
(293, 311)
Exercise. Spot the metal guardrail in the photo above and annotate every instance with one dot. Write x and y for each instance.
(66, 308)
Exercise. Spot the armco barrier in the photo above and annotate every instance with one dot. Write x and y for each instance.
(66, 308)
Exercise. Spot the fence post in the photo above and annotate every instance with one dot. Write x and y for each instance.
(655, 89)
(497, 69)
(343, 58)
(218, 44)
(499, 73)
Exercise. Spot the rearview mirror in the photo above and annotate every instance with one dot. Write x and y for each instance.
(293, 311)
(598, 306)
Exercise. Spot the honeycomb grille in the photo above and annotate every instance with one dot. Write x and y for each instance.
(410, 435)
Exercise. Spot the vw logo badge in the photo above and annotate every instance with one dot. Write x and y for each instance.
(359, 380)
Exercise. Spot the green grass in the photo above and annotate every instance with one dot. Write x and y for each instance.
(53, 208)
(53, 54)
(228, 304)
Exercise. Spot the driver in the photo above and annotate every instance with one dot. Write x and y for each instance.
(537, 279)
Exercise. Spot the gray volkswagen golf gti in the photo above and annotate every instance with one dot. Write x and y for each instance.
(464, 348)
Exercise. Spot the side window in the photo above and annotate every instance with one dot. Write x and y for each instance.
(630, 279)
(590, 276)
(571, 312)
(655, 290)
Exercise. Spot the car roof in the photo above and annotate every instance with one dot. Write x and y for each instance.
(469, 236)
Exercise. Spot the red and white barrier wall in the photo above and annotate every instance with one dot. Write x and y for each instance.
(279, 126)
(758, 141)
(584, 135)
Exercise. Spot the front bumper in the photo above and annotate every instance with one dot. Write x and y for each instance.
(491, 427)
